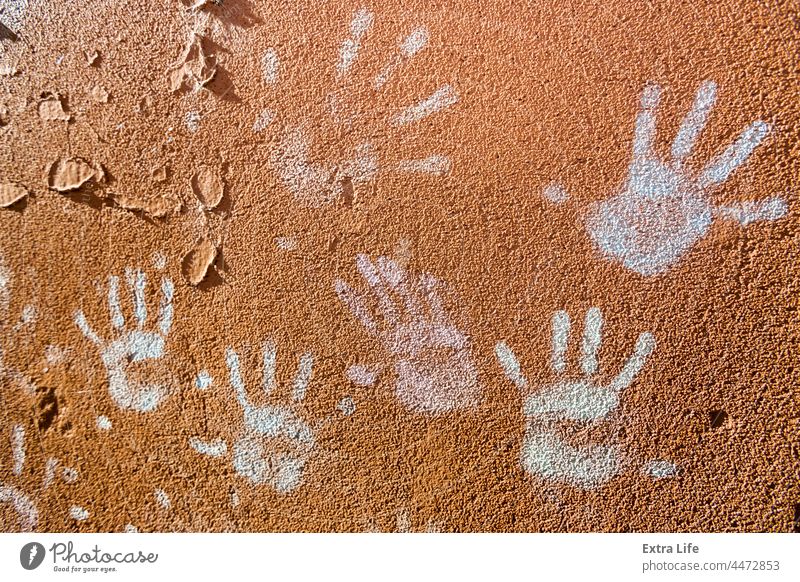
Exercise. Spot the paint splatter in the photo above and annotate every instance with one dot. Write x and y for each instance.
(441, 98)
(162, 498)
(104, 423)
(203, 380)
(347, 406)
(78, 513)
(555, 193)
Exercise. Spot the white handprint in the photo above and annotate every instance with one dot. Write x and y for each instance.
(291, 439)
(662, 208)
(552, 408)
(132, 347)
(432, 358)
(318, 180)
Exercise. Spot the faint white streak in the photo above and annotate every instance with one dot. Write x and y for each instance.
(217, 448)
(348, 52)
(159, 261)
(561, 325)
(18, 448)
(162, 498)
(114, 307)
(103, 423)
(591, 340)
(661, 469)
(347, 405)
(263, 120)
(409, 47)
(435, 164)
(270, 65)
(78, 513)
(49, 472)
(54, 354)
(443, 97)
(165, 312)
(510, 364)
(644, 347)
(734, 156)
(69, 475)
(22, 504)
(361, 375)
(303, 377)
(555, 193)
(695, 120)
(137, 282)
(286, 243)
(748, 212)
(83, 325)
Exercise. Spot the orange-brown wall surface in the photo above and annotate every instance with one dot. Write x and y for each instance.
(431, 214)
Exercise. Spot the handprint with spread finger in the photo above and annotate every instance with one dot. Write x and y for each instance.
(570, 403)
(432, 357)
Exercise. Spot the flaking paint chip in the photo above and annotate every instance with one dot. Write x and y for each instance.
(72, 173)
(51, 108)
(11, 193)
(99, 94)
(157, 207)
(196, 263)
(208, 186)
(195, 69)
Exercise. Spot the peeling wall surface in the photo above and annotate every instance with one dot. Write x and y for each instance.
(439, 266)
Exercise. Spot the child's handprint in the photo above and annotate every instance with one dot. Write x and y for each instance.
(662, 208)
(432, 358)
(552, 408)
(131, 347)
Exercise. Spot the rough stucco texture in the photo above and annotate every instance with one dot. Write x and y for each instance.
(339, 266)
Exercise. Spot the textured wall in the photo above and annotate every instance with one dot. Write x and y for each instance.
(352, 266)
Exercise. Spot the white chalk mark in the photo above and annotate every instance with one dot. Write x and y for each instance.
(591, 340)
(442, 98)
(235, 501)
(348, 52)
(18, 448)
(555, 193)
(746, 213)
(269, 363)
(23, 506)
(695, 120)
(270, 66)
(644, 347)
(435, 164)
(263, 120)
(661, 469)
(546, 455)
(114, 307)
(159, 261)
(69, 475)
(104, 423)
(203, 380)
(347, 406)
(510, 365)
(561, 325)
(192, 121)
(409, 47)
(286, 243)
(137, 282)
(734, 156)
(303, 377)
(162, 498)
(49, 472)
(165, 310)
(661, 210)
(78, 513)
(356, 305)
(217, 448)
(54, 354)
(361, 375)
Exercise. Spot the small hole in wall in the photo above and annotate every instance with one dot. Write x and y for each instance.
(717, 418)
(796, 524)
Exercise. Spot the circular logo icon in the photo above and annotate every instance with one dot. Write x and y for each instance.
(31, 555)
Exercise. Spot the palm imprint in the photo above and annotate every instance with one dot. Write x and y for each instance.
(432, 357)
(288, 438)
(663, 208)
(567, 405)
(126, 356)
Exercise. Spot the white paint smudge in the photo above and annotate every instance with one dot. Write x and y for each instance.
(69, 475)
(409, 47)
(555, 193)
(192, 121)
(23, 506)
(263, 120)
(435, 164)
(54, 354)
(159, 261)
(162, 498)
(746, 213)
(348, 52)
(104, 423)
(361, 375)
(217, 448)
(13, 13)
(510, 365)
(18, 448)
(78, 513)
(270, 65)
(347, 405)
(49, 472)
(203, 380)
(661, 469)
(286, 243)
(235, 501)
(442, 98)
